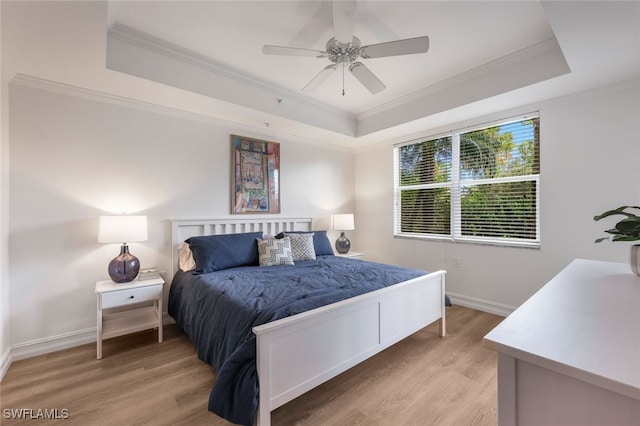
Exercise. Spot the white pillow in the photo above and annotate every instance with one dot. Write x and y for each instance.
(185, 258)
(272, 252)
(302, 246)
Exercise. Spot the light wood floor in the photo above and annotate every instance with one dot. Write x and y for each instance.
(423, 380)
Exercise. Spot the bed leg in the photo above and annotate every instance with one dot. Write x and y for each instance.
(264, 380)
(443, 326)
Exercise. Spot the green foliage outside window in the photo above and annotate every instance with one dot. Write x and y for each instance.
(497, 183)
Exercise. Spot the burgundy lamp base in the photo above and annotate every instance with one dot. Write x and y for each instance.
(124, 267)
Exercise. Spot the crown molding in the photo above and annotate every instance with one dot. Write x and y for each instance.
(117, 100)
(151, 43)
(537, 49)
(539, 63)
(90, 94)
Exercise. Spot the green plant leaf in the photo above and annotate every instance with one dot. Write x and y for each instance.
(625, 238)
(627, 229)
(620, 211)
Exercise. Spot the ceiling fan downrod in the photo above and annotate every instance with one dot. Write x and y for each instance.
(343, 66)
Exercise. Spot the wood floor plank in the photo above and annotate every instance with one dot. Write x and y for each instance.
(423, 380)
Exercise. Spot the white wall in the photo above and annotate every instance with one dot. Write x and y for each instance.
(4, 213)
(74, 159)
(590, 146)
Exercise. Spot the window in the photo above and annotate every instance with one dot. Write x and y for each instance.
(475, 185)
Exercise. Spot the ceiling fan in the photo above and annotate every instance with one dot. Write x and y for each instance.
(344, 49)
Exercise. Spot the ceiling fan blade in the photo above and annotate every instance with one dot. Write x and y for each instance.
(367, 78)
(407, 46)
(343, 20)
(268, 49)
(320, 78)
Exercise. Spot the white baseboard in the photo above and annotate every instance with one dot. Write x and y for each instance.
(52, 344)
(481, 304)
(5, 362)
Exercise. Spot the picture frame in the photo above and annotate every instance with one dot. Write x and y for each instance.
(255, 176)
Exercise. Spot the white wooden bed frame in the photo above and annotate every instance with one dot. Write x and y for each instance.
(297, 353)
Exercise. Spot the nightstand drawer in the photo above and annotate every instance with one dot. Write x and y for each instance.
(130, 296)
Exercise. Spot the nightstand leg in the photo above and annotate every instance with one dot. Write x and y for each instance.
(99, 334)
(159, 310)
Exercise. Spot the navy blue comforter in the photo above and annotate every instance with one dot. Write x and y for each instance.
(218, 311)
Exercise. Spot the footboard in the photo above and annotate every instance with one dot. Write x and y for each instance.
(298, 353)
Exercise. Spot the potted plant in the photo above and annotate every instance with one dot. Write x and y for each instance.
(628, 229)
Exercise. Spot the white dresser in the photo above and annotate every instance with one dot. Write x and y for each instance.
(570, 355)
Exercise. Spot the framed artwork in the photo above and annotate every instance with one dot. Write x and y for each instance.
(255, 176)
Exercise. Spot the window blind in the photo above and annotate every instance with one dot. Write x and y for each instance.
(479, 184)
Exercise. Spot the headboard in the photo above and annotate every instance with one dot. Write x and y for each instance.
(181, 229)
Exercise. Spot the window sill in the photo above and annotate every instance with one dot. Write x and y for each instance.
(446, 239)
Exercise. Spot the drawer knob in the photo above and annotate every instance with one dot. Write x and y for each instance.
(131, 297)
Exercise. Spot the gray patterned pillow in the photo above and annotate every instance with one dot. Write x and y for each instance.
(273, 252)
(302, 246)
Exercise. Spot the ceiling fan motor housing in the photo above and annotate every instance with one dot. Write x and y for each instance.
(343, 53)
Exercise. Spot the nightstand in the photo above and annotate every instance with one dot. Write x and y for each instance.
(111, 295)
(352, 255)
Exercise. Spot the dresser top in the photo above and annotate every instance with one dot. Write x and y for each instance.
(584, 323)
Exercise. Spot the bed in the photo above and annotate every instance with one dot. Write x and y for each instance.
(294, 327)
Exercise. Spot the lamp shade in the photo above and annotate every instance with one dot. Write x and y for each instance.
(343, 222)
(122, 229)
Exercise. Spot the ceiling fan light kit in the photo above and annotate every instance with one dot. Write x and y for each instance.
(345, 49)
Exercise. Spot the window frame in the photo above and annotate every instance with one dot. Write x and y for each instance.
(455, 187)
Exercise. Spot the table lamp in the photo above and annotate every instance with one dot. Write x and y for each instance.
(123, 229)
(343, 222)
